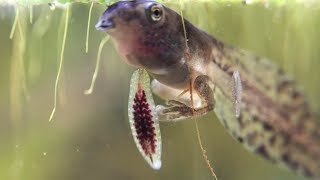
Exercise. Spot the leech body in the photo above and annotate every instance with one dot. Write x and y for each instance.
(143, 119)
(256, 101)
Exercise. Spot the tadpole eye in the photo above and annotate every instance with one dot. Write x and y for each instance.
(155, 12)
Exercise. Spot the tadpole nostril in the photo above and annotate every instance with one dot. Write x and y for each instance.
(104, 24)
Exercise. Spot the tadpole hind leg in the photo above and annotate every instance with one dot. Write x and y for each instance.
(179, 111)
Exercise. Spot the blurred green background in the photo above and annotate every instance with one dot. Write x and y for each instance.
(89, 137)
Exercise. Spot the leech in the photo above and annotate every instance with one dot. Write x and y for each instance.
(205, 157)
(61, 62)
(143, 119)
(95, 74)
(31, 14)
(88, 27)
(14, 23)
(236, 92)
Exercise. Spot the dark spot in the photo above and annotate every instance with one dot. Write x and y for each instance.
(240, 139)
(267, 126)
(263, 152)
(307, 172)
(214, 59)
(295, 94)
(283, 85)
(225, 124)
(285, 158)
(286, 139)
(219, 44)
(255, 118)
(225, 67)
(240, 120)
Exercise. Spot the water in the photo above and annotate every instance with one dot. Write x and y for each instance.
(89, 137)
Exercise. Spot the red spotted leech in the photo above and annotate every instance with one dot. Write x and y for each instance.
(143, 119)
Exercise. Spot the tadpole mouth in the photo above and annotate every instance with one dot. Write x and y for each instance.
(104, 24)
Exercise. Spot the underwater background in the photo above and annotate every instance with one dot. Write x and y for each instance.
(89, 136)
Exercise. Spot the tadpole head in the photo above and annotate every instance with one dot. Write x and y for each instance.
(133, 14)
(144, 32)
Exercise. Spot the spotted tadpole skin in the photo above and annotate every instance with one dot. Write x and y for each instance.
(256, 101)
(143, 119)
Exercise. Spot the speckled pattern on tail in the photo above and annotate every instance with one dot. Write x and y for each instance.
(276, 120)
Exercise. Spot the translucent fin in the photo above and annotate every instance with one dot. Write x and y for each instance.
(143, 119)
